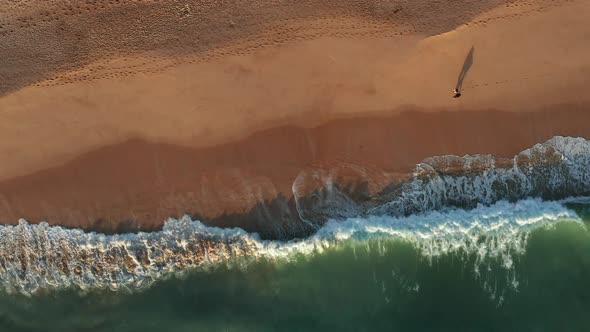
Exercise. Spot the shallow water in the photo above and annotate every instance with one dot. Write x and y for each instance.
(366, 283)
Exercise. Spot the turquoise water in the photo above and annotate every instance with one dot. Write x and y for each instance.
(360, 284)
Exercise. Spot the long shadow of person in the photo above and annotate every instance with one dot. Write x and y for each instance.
(466, 66)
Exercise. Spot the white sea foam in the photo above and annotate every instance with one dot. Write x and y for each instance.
(35, 257)
(555, 169)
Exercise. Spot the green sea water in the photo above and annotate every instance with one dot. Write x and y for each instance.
(376, 284)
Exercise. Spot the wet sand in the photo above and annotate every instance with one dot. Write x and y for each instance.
(250, 183)
(114, 117)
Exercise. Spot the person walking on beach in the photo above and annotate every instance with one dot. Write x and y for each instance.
(466, 66)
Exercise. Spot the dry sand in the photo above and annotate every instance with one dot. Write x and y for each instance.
(115, 115)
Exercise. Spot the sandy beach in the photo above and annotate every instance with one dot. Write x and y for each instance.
(117, 115)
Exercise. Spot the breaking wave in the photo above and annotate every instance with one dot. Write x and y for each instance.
(556, 169)
(507, 199)
(37, 257)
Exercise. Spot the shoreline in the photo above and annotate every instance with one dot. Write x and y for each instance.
(137, 185)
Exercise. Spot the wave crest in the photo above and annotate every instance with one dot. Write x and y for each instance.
(556, 169)
(34, 257)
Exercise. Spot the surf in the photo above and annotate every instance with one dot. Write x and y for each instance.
(478, 204)
(35, 257)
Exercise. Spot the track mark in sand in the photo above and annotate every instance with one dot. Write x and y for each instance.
(276, 36)
(525, 8)
(507, 81)
(242, 32)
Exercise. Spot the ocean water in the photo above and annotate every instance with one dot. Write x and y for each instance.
(498, 250)
(509, 267)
